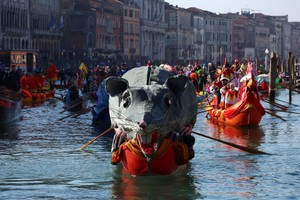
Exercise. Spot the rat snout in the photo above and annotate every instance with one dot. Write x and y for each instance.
(142, 124)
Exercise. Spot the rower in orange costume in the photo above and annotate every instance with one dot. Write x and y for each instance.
(52, 75)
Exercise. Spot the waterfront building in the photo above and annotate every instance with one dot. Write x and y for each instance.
(180, 40)
(31, 24)
(152, 29)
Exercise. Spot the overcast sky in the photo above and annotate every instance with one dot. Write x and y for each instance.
(267, 7)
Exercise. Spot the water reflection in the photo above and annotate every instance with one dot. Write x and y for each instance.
(248, 136)
(178, 186)
(9, 131)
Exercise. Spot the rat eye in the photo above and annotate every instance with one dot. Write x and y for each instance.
(167, 101)
(126, 100)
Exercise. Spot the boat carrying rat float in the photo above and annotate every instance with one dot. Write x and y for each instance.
(153, 112)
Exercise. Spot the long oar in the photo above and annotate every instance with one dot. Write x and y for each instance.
(247, 149)
(73, 115)
(96, 138)
(204, 110)
(273, 114)
(276, 105)
(84, 111)
(59, 98)
(73, 106)
(277, 110)
(286, 102)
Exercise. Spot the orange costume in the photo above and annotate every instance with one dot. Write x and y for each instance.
(228, 73)
(25, 82)
(41, 80)
(33, 82)
(231, 97)
(52, 73)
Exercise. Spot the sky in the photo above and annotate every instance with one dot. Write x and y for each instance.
(267, 7)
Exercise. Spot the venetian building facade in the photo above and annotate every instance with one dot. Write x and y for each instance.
(31, 24)
(14, 19)
(152, 29)
(79, 30)
(198, 37)
(45, 27)
(130, 31)
(295, 46)
(108, 30)
(217, 36)
(179, 35)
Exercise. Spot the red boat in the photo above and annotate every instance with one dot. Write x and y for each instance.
(247, 111)
(170, 157)
(36, 97)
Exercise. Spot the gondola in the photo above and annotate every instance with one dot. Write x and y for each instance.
(248, 111)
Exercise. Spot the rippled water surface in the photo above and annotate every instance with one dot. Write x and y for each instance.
(39, 159)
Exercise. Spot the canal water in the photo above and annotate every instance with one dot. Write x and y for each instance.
(39, 159)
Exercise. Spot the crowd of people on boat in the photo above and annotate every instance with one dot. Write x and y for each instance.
(221, 82)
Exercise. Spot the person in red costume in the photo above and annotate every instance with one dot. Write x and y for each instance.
(231, 96)
(41, 79)
(25, 86)
(227, 72)
(33, 83)
(52, 75)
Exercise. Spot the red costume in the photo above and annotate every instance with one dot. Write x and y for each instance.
(52, 73)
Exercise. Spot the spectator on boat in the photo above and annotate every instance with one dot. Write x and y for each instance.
(212, 71)
(52, 75)
(41, 78)
(72, 95)
(231, 96)
(214, 102)
(25, 81)
(227, 72)
(62, 77)
(237, 79)
(33, 82)
(223, 91)
(19, 70)
(101, 109)
(123, 70)
(188, 70)
(170, 68)
(12, 78)
(194, 79)
(200, 74)
(83, 71)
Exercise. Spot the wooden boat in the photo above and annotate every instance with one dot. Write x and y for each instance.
(10, 105)
(73, 101)
(168, 159)
(75, 105)
(247, 111)
(36, 97)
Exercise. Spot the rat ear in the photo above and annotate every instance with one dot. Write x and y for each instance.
(115, 85)
(177, 83)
